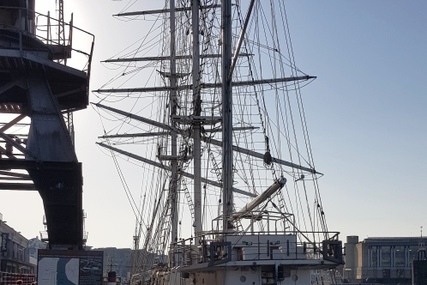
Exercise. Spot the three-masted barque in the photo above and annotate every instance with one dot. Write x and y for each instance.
(208, 108)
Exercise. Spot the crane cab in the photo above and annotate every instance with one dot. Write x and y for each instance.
(17, 15)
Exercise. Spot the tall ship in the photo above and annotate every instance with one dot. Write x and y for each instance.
(207, 112)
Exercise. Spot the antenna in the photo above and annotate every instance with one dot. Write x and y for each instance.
(61, 25)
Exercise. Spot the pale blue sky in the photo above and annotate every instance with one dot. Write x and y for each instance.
(367, 110)
(366, 116)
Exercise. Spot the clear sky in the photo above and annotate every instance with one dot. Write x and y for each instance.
(366, 116)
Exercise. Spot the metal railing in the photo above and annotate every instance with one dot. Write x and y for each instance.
(256, 246)
(36, 31)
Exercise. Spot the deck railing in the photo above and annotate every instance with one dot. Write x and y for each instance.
(256, 246)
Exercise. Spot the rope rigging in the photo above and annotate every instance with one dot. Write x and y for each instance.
(269, 117)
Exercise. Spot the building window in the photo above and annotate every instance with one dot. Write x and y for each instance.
(399, 256)
(15, 250)
(374, 256)
(412, 254)
(385, 256)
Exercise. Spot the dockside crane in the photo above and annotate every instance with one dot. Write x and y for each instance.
(39, 93)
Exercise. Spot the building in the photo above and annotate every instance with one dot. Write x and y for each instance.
(121, 261)
(14, 256)
(34, 245)
(118, 260)
(385, 260)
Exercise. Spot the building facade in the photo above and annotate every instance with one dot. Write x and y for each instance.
(14, 257)
(382, 260)
(118, 260)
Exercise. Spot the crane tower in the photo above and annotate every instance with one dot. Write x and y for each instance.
(38, 94)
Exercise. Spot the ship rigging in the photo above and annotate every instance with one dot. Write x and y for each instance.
(230, 188)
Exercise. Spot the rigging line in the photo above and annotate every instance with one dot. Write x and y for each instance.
(273, 60)
(289, 221)
(255, 218)
(278, 105)
(266, 128)
(117, 119)
(299, 206)
(123, 83)
(300, 103)
(130, 58)
(282, 203)
(104, 117)
(292, 57)
(127, 6)
(287, 137)
(302, 112)
(124, 184)
(110, 66)
(216, 170)
(251, 170)
(319, 199)
(138, 225)
(291, 116)
(276, 47)
(311, 220)
(149, 237)
(108, 82)
(299, 157)
(154, 240)
(293, 209)
(284, 115)
(142, 42)
(206, 44)
(241, 39)
(268, 48)
(205, 196)
(154, 185)
(127, 53)
(310, 157)
(154, 102)
(255, 92)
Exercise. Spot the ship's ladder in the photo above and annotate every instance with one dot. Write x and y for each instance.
(158, 242)
(188, 198)
(164, 224)
(281, 205)
(215, 166)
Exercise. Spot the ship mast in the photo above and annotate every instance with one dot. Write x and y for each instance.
(172, 103)
(227, 145)
(196, 125)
